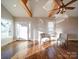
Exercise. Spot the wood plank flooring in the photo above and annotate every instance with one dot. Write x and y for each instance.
(26, 50)
(9, 50)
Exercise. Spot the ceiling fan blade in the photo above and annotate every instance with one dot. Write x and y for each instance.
(70, 2)
(70, 8)
(62, 2)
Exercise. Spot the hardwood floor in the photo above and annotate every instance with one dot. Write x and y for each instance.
(49, 50)
(9, 50)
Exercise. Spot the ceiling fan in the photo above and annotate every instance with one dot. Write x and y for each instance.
(62, 7)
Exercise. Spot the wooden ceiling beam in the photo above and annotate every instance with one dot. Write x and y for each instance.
(24, 4)
(55, 6)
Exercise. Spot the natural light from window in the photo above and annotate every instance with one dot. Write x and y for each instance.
(22, 32)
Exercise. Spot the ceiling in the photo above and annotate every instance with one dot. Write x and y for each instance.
(16, 9)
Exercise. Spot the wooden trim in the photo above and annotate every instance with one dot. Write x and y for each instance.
(24, 5)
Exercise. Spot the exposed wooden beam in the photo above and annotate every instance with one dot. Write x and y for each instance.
(24, 5)
(55, 6)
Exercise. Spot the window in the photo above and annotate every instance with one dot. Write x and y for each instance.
(6, 28)
(21, 32)
(51, 28)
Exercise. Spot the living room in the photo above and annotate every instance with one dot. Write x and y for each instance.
(31, 28)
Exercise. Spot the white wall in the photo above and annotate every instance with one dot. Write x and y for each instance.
(36, 25)
(7, 16)
(69, 26)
